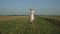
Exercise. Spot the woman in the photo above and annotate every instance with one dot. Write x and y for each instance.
(31, 15)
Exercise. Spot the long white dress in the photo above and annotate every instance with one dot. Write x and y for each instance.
(32, 16)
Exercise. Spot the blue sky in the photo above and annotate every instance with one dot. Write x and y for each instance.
(21, 7)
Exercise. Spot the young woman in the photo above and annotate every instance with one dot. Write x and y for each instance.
(31, 15)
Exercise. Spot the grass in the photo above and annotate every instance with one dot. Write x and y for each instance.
(57, 17)
(23, 26)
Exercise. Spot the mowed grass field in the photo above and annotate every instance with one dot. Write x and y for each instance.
(22, 25)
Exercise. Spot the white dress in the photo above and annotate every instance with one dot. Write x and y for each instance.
(32, 16)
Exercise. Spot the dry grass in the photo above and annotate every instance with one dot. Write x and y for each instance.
(6, 18)
(52, 17)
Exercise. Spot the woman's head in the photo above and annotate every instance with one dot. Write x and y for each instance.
(31, 9)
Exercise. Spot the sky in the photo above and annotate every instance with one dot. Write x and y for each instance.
(21, 7)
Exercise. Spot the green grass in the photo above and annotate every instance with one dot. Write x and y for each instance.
(23, 26)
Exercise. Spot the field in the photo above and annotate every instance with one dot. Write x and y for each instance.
(22, 25)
